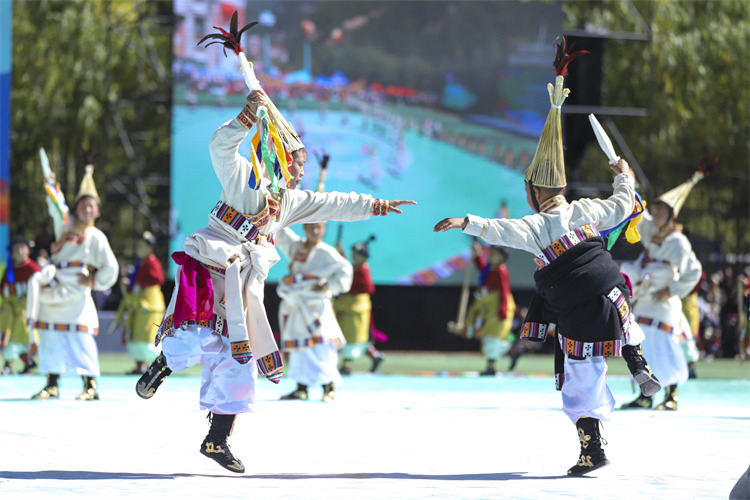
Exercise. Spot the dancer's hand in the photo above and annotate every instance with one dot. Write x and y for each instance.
(446, 224)
(662, 295)
(255, 99)
(622, 167)
(392, 204)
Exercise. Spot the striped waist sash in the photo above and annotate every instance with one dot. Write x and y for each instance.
(66, 327)
(565, 243)
(665, 327)
(246, 226)
(73, 263)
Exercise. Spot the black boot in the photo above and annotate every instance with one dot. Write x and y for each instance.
(329, 392)
(215, 445)
(28, 363)
(490, 368)
(640, 403)
(640, 370)
(50, 390)
(377, 358)
(154, 376)
(670, 400)
(299, 393)
(89, 389)
(592, 455)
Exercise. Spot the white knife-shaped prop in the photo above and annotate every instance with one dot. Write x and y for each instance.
(603, 139)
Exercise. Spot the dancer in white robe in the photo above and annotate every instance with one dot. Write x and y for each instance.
(310, 332)
(666, 271)
(59, 301)
(216, 315)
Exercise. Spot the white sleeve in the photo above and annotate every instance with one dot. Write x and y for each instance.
(608, 213)
(286, 240)
(232, 169)
(646, 228)
(687, 267)
(515, 233)
(341, 280)
(105, 263)
(299, 207)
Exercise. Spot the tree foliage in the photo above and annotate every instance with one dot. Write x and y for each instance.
(695, 76)
(92, 76)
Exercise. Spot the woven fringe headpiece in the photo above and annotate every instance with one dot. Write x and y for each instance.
(676, 197)
(547, 168)
(88, 188)
(232, 40)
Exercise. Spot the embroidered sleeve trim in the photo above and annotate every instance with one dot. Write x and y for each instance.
(379, 207)
(247, 117)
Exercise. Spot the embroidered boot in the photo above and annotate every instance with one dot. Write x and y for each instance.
(329, 392)
(670, 400)
(640, 403)
(299, 393)
(640, 370)
(50, 390)
(215, 445)
(154, 376)
(89, 389)
(592, 455)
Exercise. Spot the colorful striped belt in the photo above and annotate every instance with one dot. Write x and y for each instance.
(73, 263)
(309, 342)
(642, 320)
(65, 327)
(216, 323)
(565, 243)
(246, 226)
(291, 279)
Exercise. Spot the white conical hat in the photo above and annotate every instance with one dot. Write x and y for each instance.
(676, 197)
(88, 188)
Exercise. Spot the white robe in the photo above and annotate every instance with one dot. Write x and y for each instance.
(62, 309)
(228, 387)
(309, 329)
(584, 392)
(673, 265)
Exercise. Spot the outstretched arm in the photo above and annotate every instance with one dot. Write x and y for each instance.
(299, 207)
(515, 233)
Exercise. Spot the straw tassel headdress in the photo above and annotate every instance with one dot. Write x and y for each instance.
(547, 168)
(88, 188)
(676, 197)
(275, 139)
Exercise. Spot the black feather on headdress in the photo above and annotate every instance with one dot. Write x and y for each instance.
(230, 40)
(704, 167)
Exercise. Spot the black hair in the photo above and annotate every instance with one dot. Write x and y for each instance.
(534, 201)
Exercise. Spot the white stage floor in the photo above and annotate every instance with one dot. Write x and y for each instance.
(385, 437)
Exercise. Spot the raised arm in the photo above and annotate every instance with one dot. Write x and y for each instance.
(610, 212)
(232, 169)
